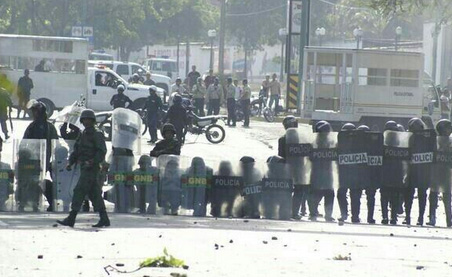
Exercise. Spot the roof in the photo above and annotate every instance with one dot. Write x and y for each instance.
(44, 37)
(367, 51)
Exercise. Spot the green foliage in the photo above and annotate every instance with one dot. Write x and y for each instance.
(166, 260)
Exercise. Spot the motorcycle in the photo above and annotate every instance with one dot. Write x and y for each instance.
(255, 109)
(206, 125)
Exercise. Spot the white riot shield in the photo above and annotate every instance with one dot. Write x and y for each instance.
(324, 173)
(64, 181)
(277, 188)
(196, 179)
(298, 151)
(126, 130)
(442, 166)
(396, 157)
(30, 168)
(169, 193)
(252, 189)
(225, 191)
(123, 192)
(146, 179)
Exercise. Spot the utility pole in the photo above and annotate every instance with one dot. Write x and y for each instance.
(187, 57)
(304, 41)
(221, 38)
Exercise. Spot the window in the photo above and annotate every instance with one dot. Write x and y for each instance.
(52, 46)
(137, 69)
(372, 77)
(163, 66)
(105, 79)
(122, 69)
(404, 78)
(43, 65)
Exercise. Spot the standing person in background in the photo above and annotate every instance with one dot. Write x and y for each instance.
(5, 107)
(445, 104)
(24, 87)
(148, 81)
(245, 103)
(264, 91)
(199, 93)
(238, 90)
(120, 100)
(153, 105)
(209, 79)
(275, 93)
(214, 97)
(193, 77)
(230, 96)
(176, 89)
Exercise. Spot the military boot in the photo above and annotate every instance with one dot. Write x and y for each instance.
(70, 220)
(104, 221)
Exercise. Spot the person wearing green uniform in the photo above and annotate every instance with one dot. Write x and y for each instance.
(89, 152)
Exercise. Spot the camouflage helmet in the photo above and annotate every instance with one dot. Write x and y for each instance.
(168, 127)
(88, 113)
(145, 159)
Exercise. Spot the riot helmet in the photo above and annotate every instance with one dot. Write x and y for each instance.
(444, 127)
(177, 99)
(290, 122)
(363, 128)
(120, 89)
(348, 127)
(87, 114)
(415, 124)
(324, 127)
(168, 127)
(391, 126)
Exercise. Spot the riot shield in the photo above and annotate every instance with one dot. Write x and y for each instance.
(396, 156)
(169, 189)
(298, 150)
(442, 166)
(196, 178)
(30, 163)
(6, 187)
(123, 192)
(352, 159)
(71, 115)
(323, 161)
(146, 179)
(374, 149)
(126, 126)
(64, 181)
(422, 146)
(252, 189)
(225, 190)
(277, 188)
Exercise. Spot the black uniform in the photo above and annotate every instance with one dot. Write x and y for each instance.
(119, 101)
(177, 115)
(153, 105)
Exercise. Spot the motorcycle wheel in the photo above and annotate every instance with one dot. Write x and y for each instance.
(254, 110)
(269, 115)
(238, 115)
(215, 134)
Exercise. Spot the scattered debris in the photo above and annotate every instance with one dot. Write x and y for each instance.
(419, 267)
(195, 222)
(265, 242)
(289, 230)
(246, 221)
(119, 264)
(40, 257)
(160, 236)
(186, 267)
(165, 260)
(415, 245)
(55, 225)
(113, 244)
(79, 257)
(274, 238)
(342, 258)
(285, 245)
(231, 241)
(175, 274)
(391, 234)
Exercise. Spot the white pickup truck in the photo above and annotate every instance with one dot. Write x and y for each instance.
(57, 90)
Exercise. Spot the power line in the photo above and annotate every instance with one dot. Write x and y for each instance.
(254, 13)
(343, 6)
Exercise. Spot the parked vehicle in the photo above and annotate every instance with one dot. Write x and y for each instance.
(126, 71)
(162, 66)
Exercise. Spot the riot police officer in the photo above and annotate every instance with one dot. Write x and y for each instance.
(177, 116)
(288, 122)
(422, 144)
(343, 186)
(153, 105)
(441, 173)
(374, 149)
(89, 152)
(322, 175)
(40, 128)
(120, 100)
